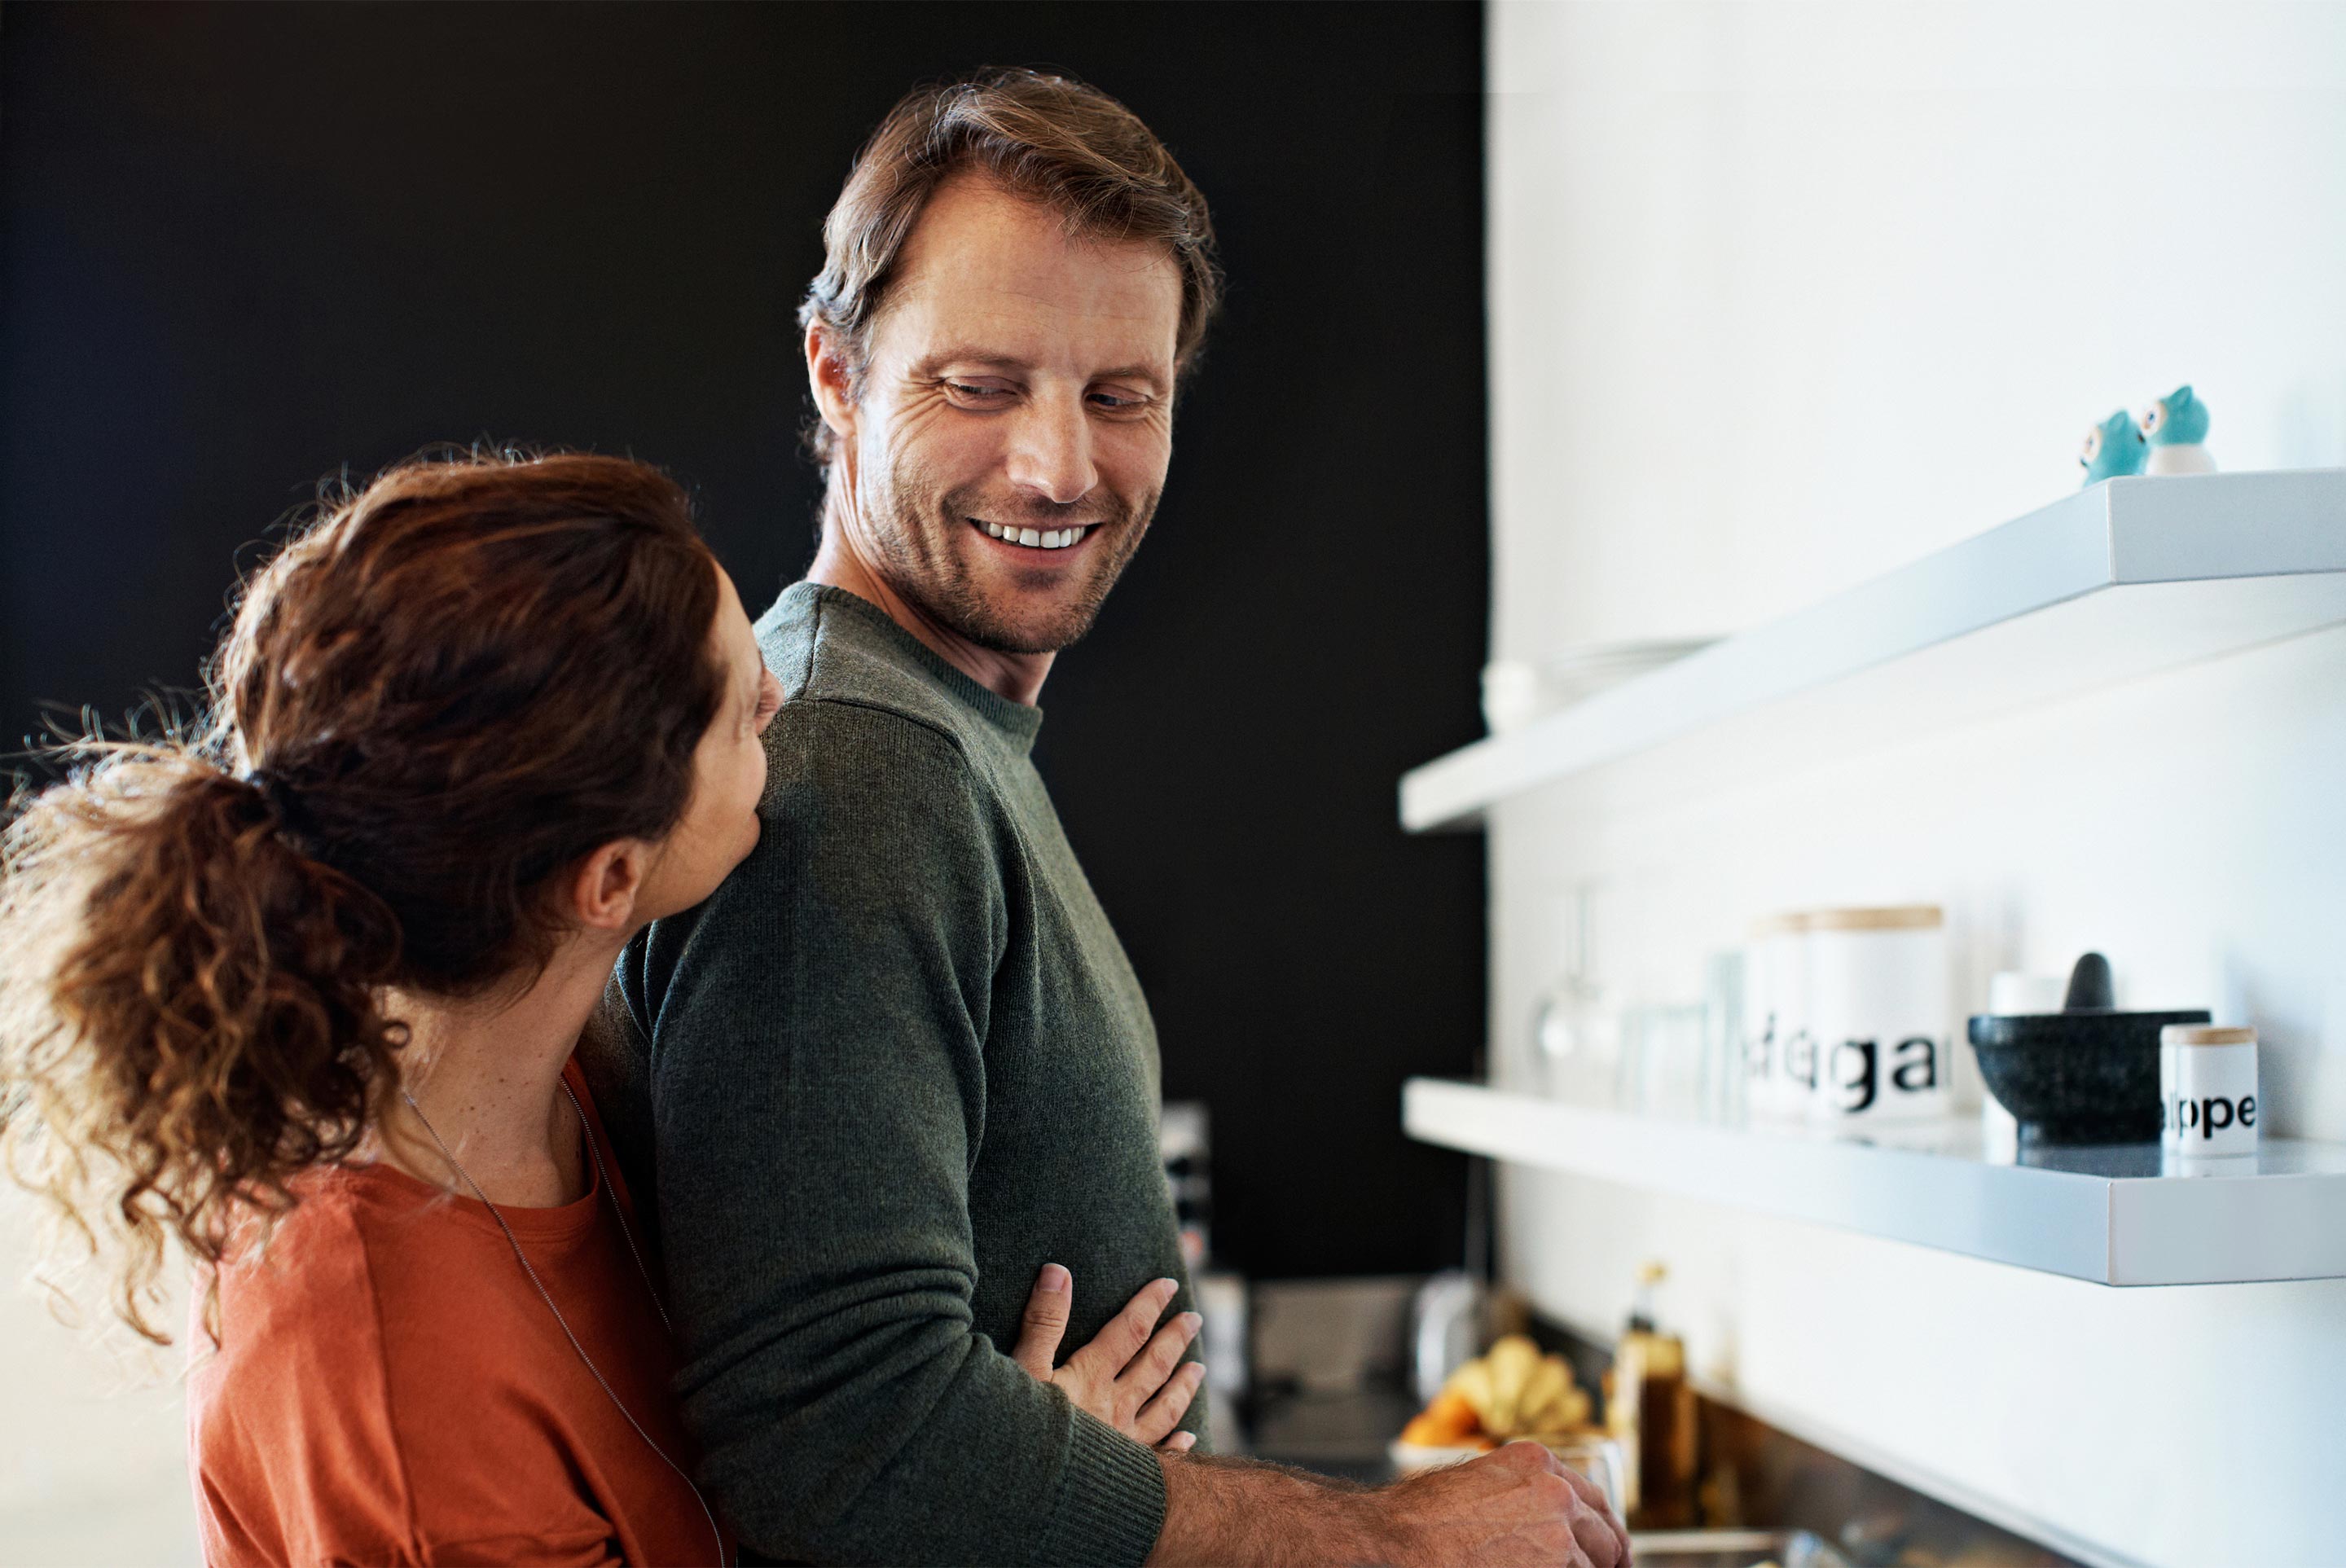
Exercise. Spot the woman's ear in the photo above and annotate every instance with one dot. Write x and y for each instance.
(604, 891)
(833, 381)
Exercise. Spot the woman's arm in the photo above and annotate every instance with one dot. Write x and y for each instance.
(1129, 1377)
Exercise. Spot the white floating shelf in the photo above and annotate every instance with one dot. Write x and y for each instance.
(2106, 1215)
(2118, 580)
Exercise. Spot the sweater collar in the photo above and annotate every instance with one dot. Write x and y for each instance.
(1015, 721)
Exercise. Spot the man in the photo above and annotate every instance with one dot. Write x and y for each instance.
(898, 1062)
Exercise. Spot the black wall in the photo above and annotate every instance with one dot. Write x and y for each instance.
(246, 246)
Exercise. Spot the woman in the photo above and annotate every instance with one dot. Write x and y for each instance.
(299, 995)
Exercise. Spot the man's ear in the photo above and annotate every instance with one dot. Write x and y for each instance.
(604, 890)
(831, 380)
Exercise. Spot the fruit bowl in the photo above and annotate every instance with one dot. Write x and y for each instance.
(1592, 1453)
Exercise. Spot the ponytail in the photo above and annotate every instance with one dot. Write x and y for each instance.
(189, 1011)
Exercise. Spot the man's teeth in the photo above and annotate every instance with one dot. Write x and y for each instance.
(1043, 539)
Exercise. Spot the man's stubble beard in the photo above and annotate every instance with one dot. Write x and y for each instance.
(916, 542)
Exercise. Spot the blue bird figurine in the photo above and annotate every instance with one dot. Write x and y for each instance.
(2176, 427)
(2113, 447)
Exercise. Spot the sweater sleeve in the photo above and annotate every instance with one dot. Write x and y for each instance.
(819, 1096)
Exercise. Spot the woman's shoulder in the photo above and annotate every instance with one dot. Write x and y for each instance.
(296, 1319)
(336, 1284)
(363, 1246)
(348, 1348)
(305, 1265)
(289, 1376)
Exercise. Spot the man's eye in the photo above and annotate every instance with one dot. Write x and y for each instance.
(1113, 400)
(980, 394)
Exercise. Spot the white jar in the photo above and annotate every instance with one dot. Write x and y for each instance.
(2208, 1090)
(1779, 1053)
(1878, 1000)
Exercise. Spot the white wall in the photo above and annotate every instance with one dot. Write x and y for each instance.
(93, 1447)
(1783, 296)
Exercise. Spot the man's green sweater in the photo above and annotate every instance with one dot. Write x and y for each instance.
(895, 1066)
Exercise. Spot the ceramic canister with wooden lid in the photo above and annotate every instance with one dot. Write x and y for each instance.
(1879, 1006)
(1779, 1052)
(2208, 1090)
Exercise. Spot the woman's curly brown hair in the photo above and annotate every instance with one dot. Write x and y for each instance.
(456, 682)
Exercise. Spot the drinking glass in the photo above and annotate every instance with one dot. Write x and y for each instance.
(1596, 1457)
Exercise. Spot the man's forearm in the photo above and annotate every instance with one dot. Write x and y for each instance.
(1224, 1512)
(1516, 1508)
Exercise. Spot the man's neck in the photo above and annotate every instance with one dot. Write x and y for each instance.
(1018, 677)
(486, 1078)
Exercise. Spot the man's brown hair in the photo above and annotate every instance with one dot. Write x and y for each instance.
(1048, 140)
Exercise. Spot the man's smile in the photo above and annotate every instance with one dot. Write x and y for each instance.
(1035, 538)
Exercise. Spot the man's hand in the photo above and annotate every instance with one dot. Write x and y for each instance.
(1520, 1504)
(1128, 1378)
(1516, 1508)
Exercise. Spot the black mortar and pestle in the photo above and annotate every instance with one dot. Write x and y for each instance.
(2086, 1075)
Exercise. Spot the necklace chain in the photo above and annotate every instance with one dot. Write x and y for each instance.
(603, 1177)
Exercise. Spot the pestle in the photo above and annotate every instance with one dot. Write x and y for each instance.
(2089, 986)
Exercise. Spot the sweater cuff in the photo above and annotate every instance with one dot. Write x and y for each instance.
(1111, 1500)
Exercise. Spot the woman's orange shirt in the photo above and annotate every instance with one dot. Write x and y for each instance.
(389, 1389)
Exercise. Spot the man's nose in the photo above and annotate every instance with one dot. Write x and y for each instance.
(1051, 450)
